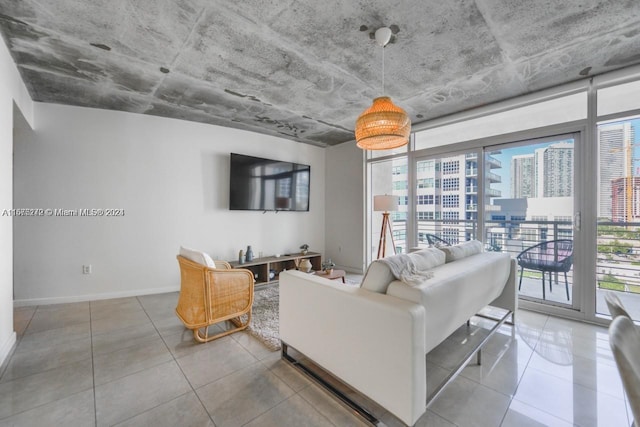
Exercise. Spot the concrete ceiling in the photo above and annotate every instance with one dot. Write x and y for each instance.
(305, 69)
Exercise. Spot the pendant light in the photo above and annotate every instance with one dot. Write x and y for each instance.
(384, 125)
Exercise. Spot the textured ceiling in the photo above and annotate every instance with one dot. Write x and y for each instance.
(305, 69)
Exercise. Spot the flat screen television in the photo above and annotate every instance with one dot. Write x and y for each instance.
(259, 184)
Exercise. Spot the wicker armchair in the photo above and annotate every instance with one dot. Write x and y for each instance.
(209, 296)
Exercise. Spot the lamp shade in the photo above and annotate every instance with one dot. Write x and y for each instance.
(382, 126)
(385, 203)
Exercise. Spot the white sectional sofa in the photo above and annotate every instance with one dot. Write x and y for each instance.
(375, 337)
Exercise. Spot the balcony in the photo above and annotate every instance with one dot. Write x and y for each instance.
(493, 163)
(471, 172)
(492, 177)
(492, 192)
(471, 189)
(617, 263)
(472, 207)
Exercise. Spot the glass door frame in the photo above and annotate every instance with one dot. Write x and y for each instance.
(576, 290)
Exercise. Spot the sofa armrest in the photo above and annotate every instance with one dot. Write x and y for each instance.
(373, 342)
(508, 299)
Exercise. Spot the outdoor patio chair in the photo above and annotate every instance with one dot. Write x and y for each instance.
(555, 256)
(434, 240)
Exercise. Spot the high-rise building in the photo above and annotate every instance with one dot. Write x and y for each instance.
(522, 176)
(612, 139)
(554, 170)
(625, 199)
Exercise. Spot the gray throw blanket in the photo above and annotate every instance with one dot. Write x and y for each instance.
(407, 268)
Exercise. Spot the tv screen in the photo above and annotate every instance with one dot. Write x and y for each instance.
(268, 185)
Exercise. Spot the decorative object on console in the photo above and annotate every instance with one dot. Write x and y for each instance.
(328, 266)
(249, 255)
(241, 257)
(304, 249)
(384, 125)
(305, 265)
(385, 204)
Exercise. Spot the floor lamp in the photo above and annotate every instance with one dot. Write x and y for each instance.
(385, 204)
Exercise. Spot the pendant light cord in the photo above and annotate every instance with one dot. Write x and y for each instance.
(382, 70)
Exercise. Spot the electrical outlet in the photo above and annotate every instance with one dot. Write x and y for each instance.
(86, 269)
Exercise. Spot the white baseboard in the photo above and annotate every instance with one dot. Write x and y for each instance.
(6, 348)
(92, 297)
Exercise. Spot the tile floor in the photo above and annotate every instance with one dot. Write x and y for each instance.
(130, 362)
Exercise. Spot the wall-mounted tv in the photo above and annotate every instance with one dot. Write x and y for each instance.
(268, 185)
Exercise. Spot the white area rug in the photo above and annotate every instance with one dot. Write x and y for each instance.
(265, 316)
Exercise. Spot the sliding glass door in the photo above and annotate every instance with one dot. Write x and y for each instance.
(529, 211)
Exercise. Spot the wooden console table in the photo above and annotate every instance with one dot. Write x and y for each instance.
(261, 267)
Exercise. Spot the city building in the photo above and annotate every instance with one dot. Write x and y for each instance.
(612, 138)
(522, 176)
(554, 170)
(625, 199)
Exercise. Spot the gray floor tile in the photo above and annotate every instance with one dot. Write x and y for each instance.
(330, 408)
(287, 373)
(44, 320)
(219, 358)
(240, 397)
(521, 415)
(131, 307)
(569, 401)
(294, 411)
(123, 338)
(168, 325)
(29, 392)
(255, 347)
(182, 344)
(118, 322)
(126, 397)
(38, 340)
(76, 410)
(117, 364)
(25, 363)
(183, 411)
(467, 403)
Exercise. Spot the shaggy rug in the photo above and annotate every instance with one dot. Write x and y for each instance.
(265, 316)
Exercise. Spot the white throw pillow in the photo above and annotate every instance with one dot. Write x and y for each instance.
(428, 258)
(462, 250)
(197, 256)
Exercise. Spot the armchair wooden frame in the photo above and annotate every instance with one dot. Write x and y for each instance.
(209, 296)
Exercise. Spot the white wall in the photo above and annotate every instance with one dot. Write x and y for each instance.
(12, 93)
(171, 177)
(345, 202)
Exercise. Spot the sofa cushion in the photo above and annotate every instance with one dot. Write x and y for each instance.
(462, 250)
(379, 275)
(197, 256)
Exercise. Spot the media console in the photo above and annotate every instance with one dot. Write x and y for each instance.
(261, 267)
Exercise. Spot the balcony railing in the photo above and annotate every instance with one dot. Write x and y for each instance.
(471, 172)
(618, 250)
(472, 189)
(492, 177)
(472, 207)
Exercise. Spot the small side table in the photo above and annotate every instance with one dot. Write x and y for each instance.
(336, 274)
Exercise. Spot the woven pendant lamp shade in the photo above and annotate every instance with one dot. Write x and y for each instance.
(382, 126)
